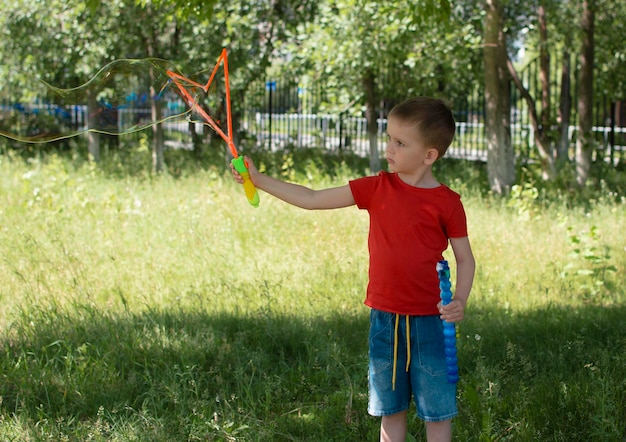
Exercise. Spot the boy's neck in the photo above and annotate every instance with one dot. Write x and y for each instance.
(423, 179)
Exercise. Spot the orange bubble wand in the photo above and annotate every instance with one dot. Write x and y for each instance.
(238, 161)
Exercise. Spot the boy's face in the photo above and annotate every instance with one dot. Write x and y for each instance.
(405, 151)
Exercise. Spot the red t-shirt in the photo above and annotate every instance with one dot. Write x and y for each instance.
(409, 230)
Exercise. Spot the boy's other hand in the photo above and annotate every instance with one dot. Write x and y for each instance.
(453, 312)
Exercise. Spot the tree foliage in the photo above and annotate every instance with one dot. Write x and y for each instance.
(367, 55)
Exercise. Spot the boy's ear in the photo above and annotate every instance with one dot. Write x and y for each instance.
(431, 156)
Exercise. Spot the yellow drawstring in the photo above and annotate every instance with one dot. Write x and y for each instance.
(395, 348)
(408, 343)
(395, 353)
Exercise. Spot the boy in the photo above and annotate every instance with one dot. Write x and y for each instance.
(412, 218)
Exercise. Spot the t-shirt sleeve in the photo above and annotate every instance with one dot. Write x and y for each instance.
(363, 189)
(456, 226)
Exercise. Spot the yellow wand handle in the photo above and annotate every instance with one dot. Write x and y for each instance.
(248, 185)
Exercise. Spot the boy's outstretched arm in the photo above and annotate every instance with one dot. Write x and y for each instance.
(465, 267)
(296, 194)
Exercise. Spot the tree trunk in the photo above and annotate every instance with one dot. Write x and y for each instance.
(545, 141)
(369, 83)
(584, 144)
(541, 122)
(93, 138)
(158, 142)
(565, 112)
(500, 155)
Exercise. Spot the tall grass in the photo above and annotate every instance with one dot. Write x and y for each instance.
(160, 308)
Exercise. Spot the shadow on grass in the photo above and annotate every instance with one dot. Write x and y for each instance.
(180, 375)
(551, 374)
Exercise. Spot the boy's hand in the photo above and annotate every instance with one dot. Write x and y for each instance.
(453, 312)
(252, 170)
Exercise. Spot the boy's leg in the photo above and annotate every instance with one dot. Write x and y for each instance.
(385, 400)
(439, 431)
(435, 397)
(393, 427)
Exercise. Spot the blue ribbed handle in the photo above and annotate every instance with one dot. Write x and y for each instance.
(449, 329)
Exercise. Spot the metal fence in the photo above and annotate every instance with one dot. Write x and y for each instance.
(277, 124)
(282, 111)
(335, 133)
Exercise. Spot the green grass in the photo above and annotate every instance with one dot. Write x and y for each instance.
(165, 308)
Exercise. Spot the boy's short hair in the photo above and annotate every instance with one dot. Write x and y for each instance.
(432, 118)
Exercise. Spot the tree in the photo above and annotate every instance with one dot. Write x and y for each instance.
(367, 55)
(190, 33)
(249, 29)
(500, 155)
(366, 52)
(521, 20)
(158, 37)
(553, 27)
(561, 25)
(585, 140)
(59, 44)
(541, 122)
(609, 51)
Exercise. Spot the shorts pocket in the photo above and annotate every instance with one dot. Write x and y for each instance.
(431, 351)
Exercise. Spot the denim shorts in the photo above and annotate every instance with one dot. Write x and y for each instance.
(426, 377)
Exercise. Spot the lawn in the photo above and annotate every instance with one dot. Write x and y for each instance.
(165, 308)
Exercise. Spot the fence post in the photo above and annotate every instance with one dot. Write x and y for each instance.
(612, 133)
(271, 86)
(340, 131)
